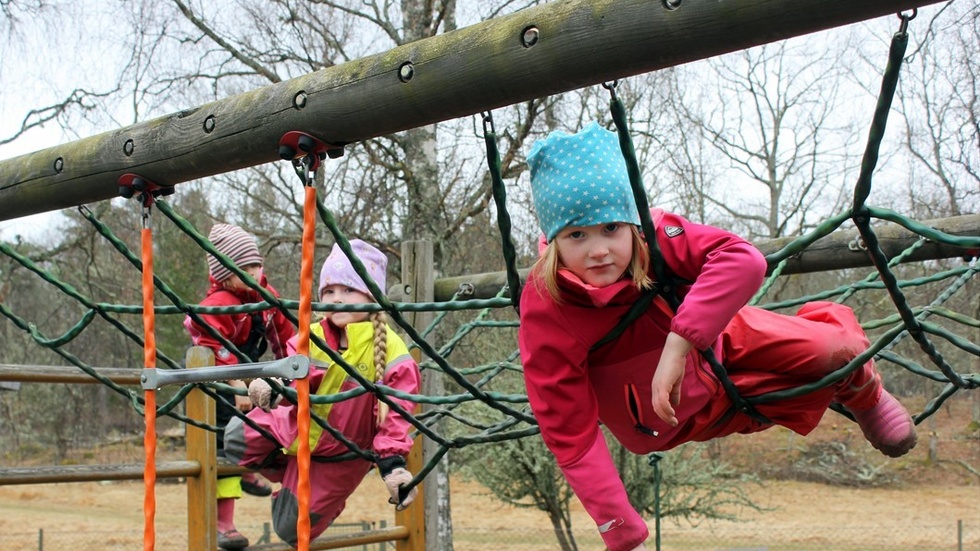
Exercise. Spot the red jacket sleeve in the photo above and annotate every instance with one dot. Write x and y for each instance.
(394, 434)
(280, 329)
(565, 406)
(725, 269)
(227, 325)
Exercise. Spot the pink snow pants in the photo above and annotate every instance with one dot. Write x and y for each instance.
(765, 352)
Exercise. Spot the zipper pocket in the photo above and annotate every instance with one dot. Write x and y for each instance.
(633, 401)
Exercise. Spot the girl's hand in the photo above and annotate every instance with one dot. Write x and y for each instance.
(243, 404)
(666, 385)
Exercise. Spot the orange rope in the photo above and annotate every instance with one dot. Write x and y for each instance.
(150, 408)
(303, 385)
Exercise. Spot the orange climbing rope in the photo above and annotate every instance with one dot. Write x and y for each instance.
(150, 397)
(303, 385)
(306, 152)
(129, 184)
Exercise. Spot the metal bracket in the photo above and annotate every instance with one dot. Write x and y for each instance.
(290, 367)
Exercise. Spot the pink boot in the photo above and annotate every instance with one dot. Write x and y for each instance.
(887, 426)
(228, 537)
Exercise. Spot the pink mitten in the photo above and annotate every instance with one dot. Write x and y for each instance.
(260, 393)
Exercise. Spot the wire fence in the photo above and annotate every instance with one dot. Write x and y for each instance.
(957, 535)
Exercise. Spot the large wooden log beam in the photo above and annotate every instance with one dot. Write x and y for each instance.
(549, 49)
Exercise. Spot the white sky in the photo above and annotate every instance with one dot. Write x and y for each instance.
(40, 62)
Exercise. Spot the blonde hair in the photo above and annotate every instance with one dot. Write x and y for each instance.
(548, 265)
(380, 323)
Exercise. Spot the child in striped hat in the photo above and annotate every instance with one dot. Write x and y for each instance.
(250, 334)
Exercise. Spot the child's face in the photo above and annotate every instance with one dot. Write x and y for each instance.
(342, 294)
(235, 283)
(599, 255)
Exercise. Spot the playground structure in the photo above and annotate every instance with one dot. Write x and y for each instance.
(48, 179)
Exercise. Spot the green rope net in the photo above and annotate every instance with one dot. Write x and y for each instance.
(447, 419)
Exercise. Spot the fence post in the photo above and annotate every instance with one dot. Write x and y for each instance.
(959, 535)
(202, 447)
(654, 460)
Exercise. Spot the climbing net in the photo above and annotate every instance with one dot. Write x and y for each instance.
(944, 337)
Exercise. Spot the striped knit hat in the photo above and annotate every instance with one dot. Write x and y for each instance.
(236, 244)
(580, 180)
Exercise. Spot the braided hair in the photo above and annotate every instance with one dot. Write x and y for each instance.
(380, 323)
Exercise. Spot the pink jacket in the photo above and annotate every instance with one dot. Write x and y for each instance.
(571, 389)
(355, 417)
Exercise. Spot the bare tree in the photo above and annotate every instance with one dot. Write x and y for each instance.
(939, 107)
(767, 118)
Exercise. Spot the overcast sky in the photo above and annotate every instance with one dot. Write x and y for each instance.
(42, 59)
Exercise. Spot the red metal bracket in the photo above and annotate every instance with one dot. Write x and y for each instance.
(295, 145)
(131, 184)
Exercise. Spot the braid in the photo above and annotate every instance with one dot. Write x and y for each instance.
(379, 321)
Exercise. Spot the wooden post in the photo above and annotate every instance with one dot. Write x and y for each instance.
(414, 516)
(418, 281)
(202, 447)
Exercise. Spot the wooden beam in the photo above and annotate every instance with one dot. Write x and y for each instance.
(67, 374)
(833, 252)
(342, 541)
(45, 474)
(94, 473)
(549, 49)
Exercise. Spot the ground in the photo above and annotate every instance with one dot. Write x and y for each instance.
(925, 509)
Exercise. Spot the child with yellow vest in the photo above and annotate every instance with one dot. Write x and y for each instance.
(365, 342)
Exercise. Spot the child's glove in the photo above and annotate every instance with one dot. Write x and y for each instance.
(394, 474)
(394, 483)
(262, 395)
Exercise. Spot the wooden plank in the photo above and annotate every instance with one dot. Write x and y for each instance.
(47, 474)
(413, 518)
(67, 374)
(833, 252)
(417, 276)
(577, 43)
(94, 473)
(342, 541)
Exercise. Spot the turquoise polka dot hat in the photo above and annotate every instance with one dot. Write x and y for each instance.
(580, 180)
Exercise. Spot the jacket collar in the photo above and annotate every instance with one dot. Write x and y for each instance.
(579, 293)
(246, 295)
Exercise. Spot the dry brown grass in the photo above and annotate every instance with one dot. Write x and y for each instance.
(929, 495)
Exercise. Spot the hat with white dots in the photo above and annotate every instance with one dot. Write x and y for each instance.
(580, 180)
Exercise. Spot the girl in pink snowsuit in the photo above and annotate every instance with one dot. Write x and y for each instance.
(650, 386)
(366, 343)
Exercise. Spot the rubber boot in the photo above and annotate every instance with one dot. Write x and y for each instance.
(887, 426)
(228, 536)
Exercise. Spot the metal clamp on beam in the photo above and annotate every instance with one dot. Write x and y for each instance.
(291, 367)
